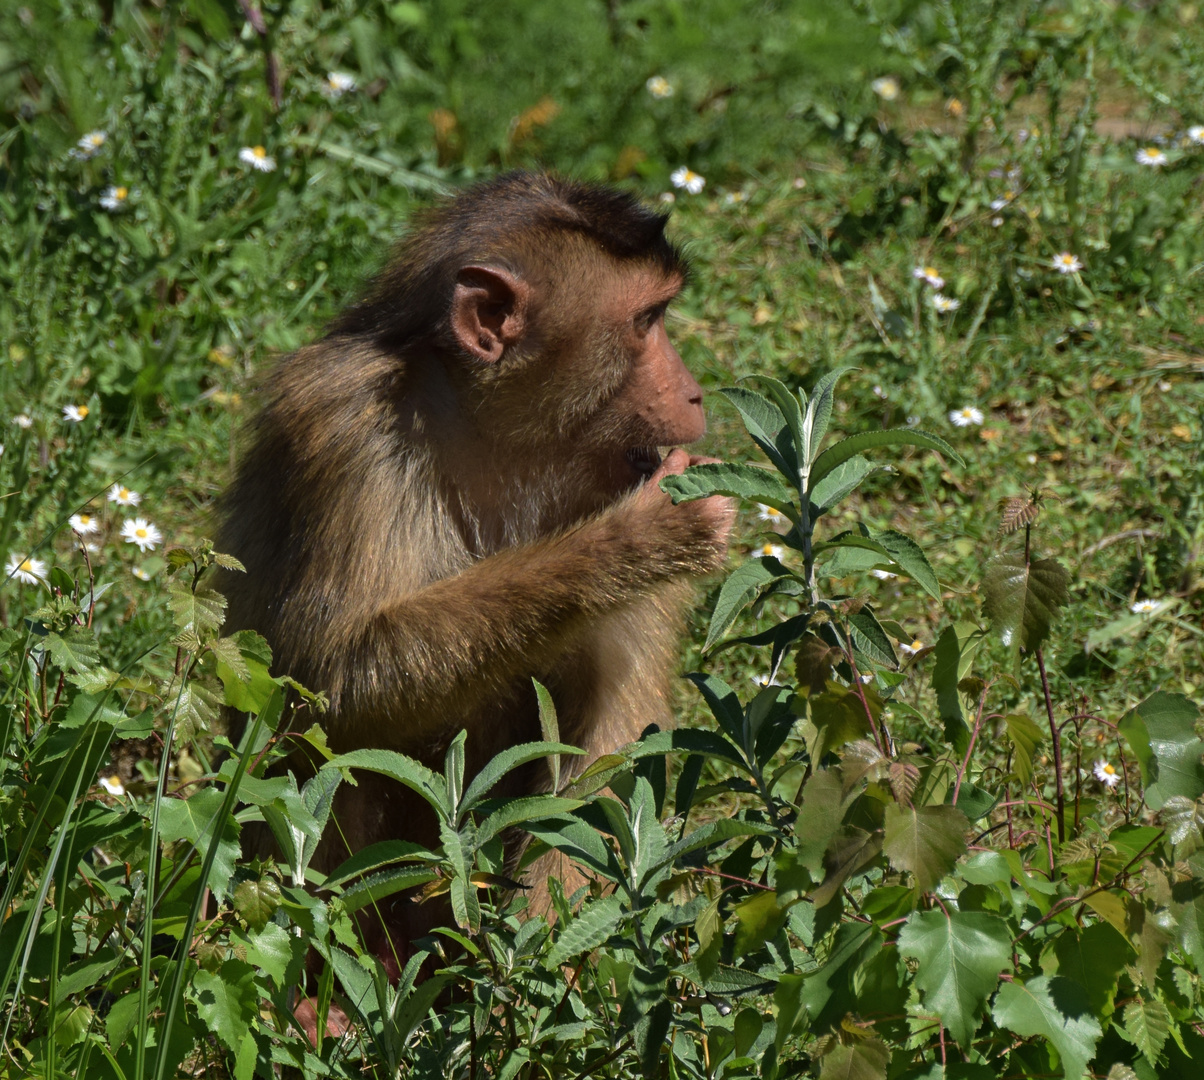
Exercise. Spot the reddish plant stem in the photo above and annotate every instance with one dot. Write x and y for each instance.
(961, 773)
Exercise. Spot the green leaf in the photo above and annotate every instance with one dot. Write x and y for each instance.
(792, 411)
(723, 703)
(839, 717)
(1094, 957)
(819, 409)
(1055, 1009)
(73, 650)
(256, 901)
(765, 423)
(827, 993)
(200, 611)
(1184, 821)
(227, 1003)
(375, 856)
(758, 919)
(839, 483)
(749, 482)
(521, 810)
(1022, 600)
(376, 887)
(505, 762)
(870, 639)
(823, 808)
(1024, 735)
(1161, 731)
(1147, 1025)
(405, 770)
(549, 727)
(961, 955)
(1187, 905)
(863, 1060)
(851, 850)
(842, 451)
(249, 684)
(741, 588)
(196, 819)
(596, 922)
(925, 840)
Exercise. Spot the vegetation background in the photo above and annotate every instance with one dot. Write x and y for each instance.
(190, 189)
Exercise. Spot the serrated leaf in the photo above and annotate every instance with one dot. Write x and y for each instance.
(819, 408)
(823, 808)
(405, 770)
(1184, 821)
(766, 425)
(904, 777)
(228, 562)
(758, 918)
(596, 922)
(842, 451)
(1161, 731)
(961, 955)
(863, 1060)
(1022, 600)
(1094, 957)
(194, 707)
(839, 483)
(1147, 1026)
(228, 1002)
(1056, 1009)
(74, 649)
(870, 639)
(201, 610)
(925, 840)
(1024, 735)
(749, 482)
(839, 717)
(741, 588)
(256, 901)
(851, 850)
(198, 819)
(226, 649)
(792, 410)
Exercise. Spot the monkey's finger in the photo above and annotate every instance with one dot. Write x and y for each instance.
(700, 459)
(675, 462)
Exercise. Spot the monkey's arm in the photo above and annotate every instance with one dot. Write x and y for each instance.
(451, 648)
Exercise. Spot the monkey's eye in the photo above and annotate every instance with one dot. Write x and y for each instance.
(646, 320)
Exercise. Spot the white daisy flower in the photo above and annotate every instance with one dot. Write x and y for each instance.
(771, 514)
(734, 198)
(1195, 134)
(337, 83)
(1106, 773)
(113, 198)
(1151, 155)
(141, 532)
(965, 416)
(140, 574)
(667, 197)
(774, 550)
(762, 681)
(258, 158)
(1145, 607)
(867, 678)
(123, 496)
(688, 179)
(659, 87)
(929, 275)
(90, 145)
(1, 449)
(30, 571)
(1003, 200)
(83, 523)
(75, 413)
(996, 222)
(912, 647)
(22, 421)
(945, 303)
(879, 392)
(883, 575)
(112, 784)
(886, 87)
(1066, 263)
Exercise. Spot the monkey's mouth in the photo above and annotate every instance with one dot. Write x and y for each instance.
(645, 460)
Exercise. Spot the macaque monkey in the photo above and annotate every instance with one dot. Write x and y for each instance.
(456, 490)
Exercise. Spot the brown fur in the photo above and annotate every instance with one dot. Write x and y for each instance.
(436, 505)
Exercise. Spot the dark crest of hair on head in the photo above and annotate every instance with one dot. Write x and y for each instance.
(495, 221)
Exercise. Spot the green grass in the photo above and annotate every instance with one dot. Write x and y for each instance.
(822, 197)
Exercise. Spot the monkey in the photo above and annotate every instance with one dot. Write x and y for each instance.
(456, 490)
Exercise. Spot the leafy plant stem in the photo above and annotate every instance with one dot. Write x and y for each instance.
(858, 689)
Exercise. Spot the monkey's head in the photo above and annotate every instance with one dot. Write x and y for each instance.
(549, 301)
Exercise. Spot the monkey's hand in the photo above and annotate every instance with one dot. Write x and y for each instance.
(707, 521)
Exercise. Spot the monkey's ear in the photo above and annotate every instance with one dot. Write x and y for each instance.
(489, 311)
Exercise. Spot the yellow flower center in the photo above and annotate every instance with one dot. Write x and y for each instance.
(930, 271)
(120, 193)
(27, 566)
(82, 410)
(124, 493)
(917, 645)
(85, 520)
(259, 151)
(140, 533)
(1109, 770)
